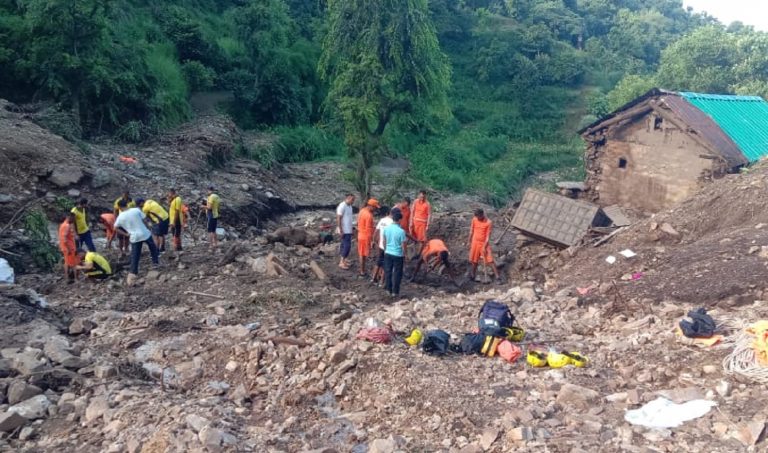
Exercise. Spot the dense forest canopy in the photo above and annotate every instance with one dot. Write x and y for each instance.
(509, 81)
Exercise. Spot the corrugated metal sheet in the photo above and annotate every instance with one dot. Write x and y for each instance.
(554, 218)
(706, 128)
(743, 118)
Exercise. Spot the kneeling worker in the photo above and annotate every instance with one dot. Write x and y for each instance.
(434, 254)
(94, 265)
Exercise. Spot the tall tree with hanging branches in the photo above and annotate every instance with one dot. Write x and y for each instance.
(384, 66)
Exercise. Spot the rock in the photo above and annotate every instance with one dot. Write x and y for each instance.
(96, 409)
(81, 326)
(245, 187)
(571, 395)
(682, 395)
(719, 428)
(667, 228)
(33, 408)
(528, 295)
(218, 387)
(63, 176)
(382, 446)
(215, 439)
(754, 249)
(5, 368)
(196, 422)
(104, 371)
(519, 434)
(6, 198)
(59, 350)
(101, 177)
(20, 391)
(153, 275)
(9, 421)
(749, 433)
(232, 366)
(337, 354)
(488, 438)
(709, 369)
(724, 388)
(27, 361)
(73, 193)
(26, 433)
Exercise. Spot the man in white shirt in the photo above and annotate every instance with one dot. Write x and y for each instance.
(378, 238)
(131, 223)
(344, 222)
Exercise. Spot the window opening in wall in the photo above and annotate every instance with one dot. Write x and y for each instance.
(622, 162)
(657, 121)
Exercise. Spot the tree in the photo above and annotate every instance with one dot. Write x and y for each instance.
(384, 66)
(70, 44)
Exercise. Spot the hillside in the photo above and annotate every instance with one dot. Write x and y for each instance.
(523, 76)
(229, 352)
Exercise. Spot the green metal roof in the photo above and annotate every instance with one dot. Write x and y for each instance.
(743, 118)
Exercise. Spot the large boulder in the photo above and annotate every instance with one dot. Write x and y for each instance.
(65, 176)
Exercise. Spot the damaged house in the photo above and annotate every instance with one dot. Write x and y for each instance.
(656, 150)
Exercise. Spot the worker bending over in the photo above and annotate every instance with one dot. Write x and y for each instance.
(108, 222)
(433, 255)
(159, 218)
(94, 265)
(122, 242)
(479, 249)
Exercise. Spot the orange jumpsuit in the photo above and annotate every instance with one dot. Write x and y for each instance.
(433, 248)
(364, 232)
(109, 224)
(67, 244)
(421, 213)
(405, 221)
(480, 231)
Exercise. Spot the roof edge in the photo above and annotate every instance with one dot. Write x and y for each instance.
(651, 93)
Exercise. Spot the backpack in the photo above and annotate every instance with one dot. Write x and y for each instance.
(436, 342)
(494, 317)
(472, 343)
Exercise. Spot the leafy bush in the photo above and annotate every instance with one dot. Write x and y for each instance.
(198, 76)
(43, 252)
(303, 143)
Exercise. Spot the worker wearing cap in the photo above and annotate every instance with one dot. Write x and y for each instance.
(211, 206)
(94, 265)
(176, 213)
(159, 218)
(434, 254)
(479, 237)
(84, 237)
(365, 233)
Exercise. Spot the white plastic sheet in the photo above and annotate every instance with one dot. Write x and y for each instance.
(663, 413)
(6, 272)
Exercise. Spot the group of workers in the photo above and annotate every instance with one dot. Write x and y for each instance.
(405, 224)
(133, 223)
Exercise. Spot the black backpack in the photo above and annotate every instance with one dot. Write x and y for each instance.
(472, 343)
(494, 317)
(436, 342)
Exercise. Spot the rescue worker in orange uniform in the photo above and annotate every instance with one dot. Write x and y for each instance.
(421, 214)
(479, 236)
(68, 247)
(434, 254)
(122, 242)
(365, 233)
(405, 223)
(108, 220)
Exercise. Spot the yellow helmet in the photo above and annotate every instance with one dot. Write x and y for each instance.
(536, 358)
(514, 333)
(557, 360)
(414, 338)
(576, 359)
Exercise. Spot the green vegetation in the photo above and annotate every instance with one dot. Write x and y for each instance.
(43, 252)
(479, 94)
